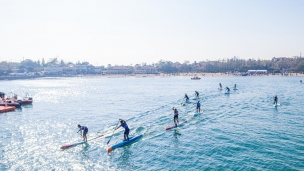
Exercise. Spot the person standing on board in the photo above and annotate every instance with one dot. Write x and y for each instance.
(227, 90)
(301, 81)
(175, 116)
(127, 130)
(220, 86)
(84, 133)
(198, 107)
(234, 86)
(187, 98)
(196, 94)
(275, 100)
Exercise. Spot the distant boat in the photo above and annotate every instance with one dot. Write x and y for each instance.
(195, 78)
(14, 98)
(27, 99)
(7, 102)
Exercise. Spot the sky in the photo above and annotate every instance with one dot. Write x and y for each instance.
(120, 32)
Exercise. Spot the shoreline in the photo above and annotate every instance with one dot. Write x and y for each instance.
(200, 75)
(190, 75)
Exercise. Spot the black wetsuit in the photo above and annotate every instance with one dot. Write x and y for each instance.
(275, 100)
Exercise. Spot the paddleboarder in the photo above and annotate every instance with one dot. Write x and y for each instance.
(125, 126)
(227, 90)
(187, 98)
(234, 86)
(84, 133)
(175, 116)
(275, 99)
(196, 94)
(220, 86)
(198, 107)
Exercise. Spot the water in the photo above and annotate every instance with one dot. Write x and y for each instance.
(240, 131)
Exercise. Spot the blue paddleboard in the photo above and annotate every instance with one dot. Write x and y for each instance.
(125, 142)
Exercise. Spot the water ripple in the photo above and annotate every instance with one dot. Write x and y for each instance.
(240, 131)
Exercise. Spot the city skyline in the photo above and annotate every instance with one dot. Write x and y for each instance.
(124, 33)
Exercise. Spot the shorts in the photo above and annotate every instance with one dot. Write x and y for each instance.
(175, 117)
(85, 131)
(127, 131)
(198, 107)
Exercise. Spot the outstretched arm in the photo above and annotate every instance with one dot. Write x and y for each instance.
(118, 127)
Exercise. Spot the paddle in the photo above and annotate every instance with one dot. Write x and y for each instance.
(112, 133)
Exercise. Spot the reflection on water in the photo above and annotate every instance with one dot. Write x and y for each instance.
(239, 131)
(27, 106)
(124, 158)
(176, 133)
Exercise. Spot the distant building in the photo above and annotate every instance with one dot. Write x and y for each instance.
(81, 69)
(52, 70)
(91, 69)
(69, 70)
(98, 70)
(144, 69)
(117, 70)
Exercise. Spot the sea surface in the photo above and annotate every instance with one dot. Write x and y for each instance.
(237, 131)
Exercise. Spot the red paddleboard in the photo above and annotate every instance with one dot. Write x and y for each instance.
(78, 143)
(180, 124)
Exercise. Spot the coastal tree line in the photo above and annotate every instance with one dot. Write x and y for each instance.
(275, 65)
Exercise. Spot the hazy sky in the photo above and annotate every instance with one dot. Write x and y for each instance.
(122, 32)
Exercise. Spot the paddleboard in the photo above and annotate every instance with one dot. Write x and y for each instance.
(276, 105)
(234, 88)
(185, 103)
(220, 88)
(227, 92)
(78, 143)
(196, 114)
(180, 124)
(125, 142)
